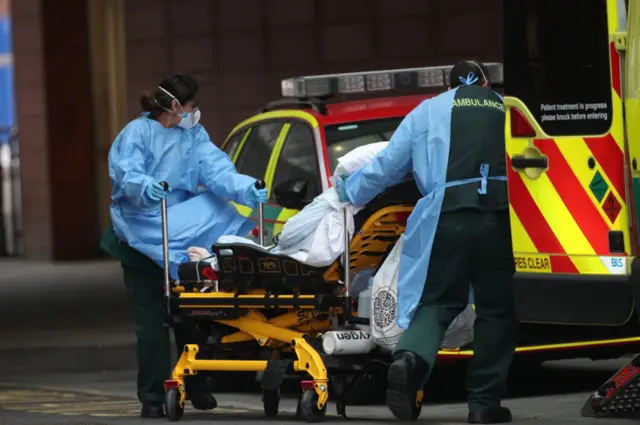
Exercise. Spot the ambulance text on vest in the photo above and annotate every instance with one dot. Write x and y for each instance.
(485, 103)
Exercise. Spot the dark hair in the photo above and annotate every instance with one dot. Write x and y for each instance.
(463, 69)
(183, 87)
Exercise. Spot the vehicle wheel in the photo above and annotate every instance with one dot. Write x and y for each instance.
(172, 408)
(271, 402)
(309, 407)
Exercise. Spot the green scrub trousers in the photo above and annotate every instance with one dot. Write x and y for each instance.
(144, 282)
(470, 246)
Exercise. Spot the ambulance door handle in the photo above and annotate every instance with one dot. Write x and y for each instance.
(520, 162)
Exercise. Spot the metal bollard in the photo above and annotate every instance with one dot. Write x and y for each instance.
(165, 244)
(260, 185)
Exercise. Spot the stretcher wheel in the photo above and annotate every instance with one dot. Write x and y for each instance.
(308, 407)
(172, 408)
(271, 402)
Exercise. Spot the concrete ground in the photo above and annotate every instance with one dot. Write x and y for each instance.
(552, 395)
(67, 356)
(68, 317)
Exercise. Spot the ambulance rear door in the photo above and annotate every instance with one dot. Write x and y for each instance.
(565, 148)
(632, 101)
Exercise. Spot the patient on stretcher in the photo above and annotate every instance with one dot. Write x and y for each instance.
(314, 236)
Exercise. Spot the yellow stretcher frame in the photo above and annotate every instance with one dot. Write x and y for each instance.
(286, 331)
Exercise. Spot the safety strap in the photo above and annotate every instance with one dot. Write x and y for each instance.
(484, 177)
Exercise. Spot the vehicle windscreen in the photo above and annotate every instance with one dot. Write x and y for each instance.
(556, 60)
(343, 138)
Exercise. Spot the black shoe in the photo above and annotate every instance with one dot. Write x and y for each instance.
(404, 379)
(203, 401)
(495, 415)
(152, 411)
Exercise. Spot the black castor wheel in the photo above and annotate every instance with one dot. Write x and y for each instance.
(271, 402)
(308, 407)
(172, 408)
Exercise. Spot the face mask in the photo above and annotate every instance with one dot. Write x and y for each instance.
(189, 119)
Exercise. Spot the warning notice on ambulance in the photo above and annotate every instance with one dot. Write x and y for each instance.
(562, 112)
(532, 263)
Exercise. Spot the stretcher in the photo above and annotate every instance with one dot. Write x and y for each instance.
(278, 305)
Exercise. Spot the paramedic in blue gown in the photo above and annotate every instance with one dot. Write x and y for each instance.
(168, 144)
(459, 232)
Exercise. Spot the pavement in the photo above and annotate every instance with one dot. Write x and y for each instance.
(551, 395)
(64, 317)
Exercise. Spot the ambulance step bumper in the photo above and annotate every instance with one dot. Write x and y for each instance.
(596, 300)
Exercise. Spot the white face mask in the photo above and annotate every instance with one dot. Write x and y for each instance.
(187, 119)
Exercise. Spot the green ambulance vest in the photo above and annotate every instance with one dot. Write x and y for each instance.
(477, 137)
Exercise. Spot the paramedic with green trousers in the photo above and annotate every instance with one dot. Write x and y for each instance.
(168, 144)
(454, 145)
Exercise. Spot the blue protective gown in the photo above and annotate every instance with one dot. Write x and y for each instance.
(419, 145)
(146, 152)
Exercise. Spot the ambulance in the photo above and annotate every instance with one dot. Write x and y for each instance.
(572, 95)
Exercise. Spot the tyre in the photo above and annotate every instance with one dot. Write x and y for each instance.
(172, 408)
(308, 407)
(271, 402)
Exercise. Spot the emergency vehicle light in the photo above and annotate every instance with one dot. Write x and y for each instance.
(376, 81)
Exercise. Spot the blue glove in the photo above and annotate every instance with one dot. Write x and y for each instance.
(155, 192)
(341, 188)
(255, 196)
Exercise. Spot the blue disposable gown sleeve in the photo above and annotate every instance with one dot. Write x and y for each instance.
(218, 174)
(390, 166)
(126, 166)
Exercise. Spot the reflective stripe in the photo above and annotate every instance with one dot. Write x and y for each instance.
(275, 156)
(236, 154)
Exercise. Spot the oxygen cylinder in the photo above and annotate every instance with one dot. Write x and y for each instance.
(342, 343)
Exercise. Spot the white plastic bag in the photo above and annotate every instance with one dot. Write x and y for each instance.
(384, 301)
(384, 309)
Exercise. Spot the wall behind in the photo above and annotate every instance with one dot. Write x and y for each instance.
(241, 49)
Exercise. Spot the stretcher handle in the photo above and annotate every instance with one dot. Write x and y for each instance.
(260, 185)
(165, 243)
(347, 268)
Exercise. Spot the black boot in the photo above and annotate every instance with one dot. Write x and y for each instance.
(203, 401)
(495, 415)
(405, 377)
(152, 411)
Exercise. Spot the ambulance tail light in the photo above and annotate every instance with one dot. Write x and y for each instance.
(520, 126)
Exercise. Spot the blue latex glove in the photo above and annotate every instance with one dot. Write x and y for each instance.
(155, 192)
(341, 188)
(256, 196)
